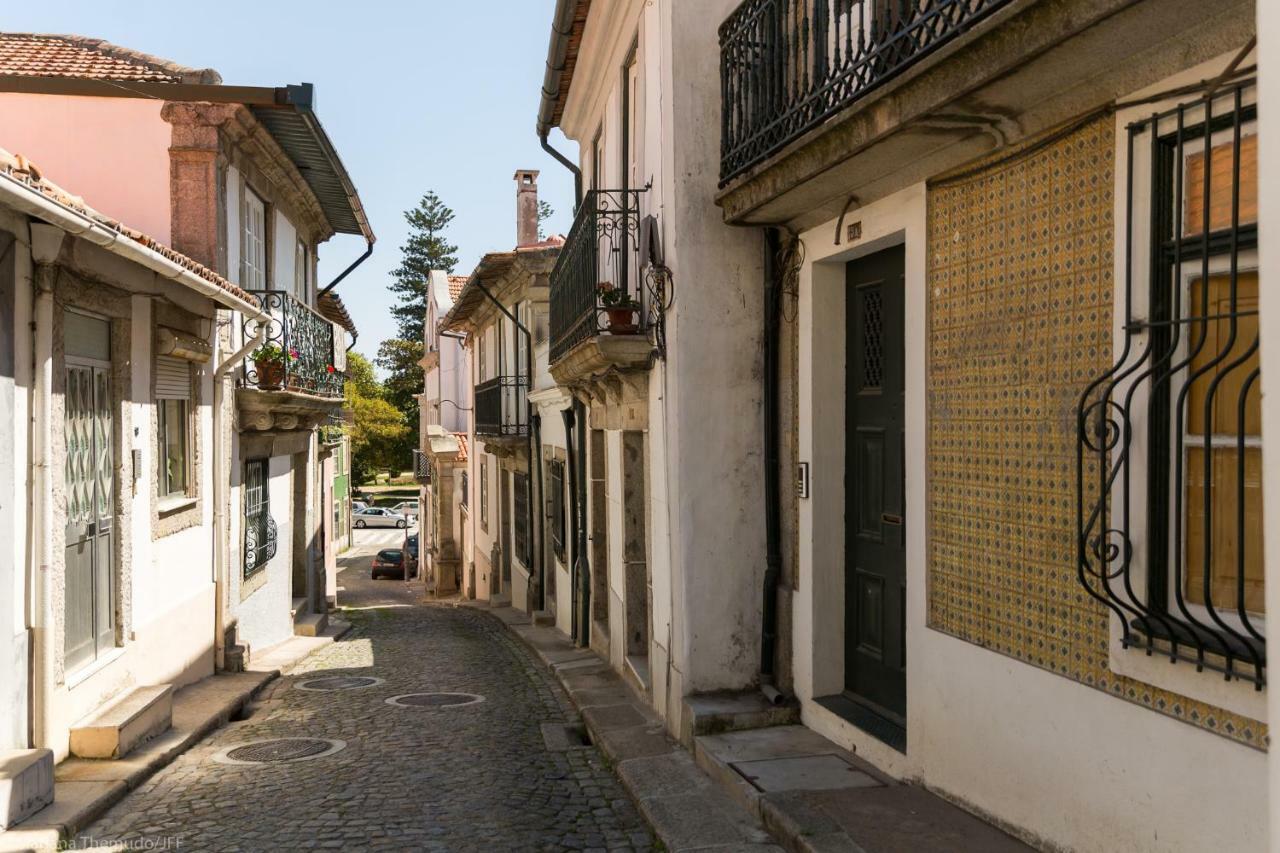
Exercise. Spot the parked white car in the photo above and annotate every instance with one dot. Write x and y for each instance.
(376, 516)
(409, 509)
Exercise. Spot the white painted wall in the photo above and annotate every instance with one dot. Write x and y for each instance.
(999, 735)
(264, 616)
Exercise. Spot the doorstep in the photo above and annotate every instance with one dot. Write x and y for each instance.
(815, 796)
(85, 788)
(685, 808)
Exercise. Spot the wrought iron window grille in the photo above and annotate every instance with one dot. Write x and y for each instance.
(259, 526)
(788, 65)
(421, 467)
(603, 252)
(555, 502)
(520, 518)
(1169, 450)
(306, 339)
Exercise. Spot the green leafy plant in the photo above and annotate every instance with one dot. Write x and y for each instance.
(273, 354)
(613, 297)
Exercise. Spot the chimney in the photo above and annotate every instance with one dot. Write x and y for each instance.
(526, 207)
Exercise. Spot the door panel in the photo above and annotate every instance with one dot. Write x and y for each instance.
(875, 566)
(88, 479)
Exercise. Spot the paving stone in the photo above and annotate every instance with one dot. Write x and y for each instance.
(477, 777)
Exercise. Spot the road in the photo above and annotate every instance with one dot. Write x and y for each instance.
(475, 776)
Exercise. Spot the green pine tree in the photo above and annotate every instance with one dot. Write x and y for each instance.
(426, 249)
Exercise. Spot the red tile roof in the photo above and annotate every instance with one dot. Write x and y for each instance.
(456, 283)
(462, 445)
(48, 55)
(17, 168)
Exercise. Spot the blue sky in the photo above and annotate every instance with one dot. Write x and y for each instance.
(426, 95)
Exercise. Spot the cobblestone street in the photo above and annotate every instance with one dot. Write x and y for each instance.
(472, 777)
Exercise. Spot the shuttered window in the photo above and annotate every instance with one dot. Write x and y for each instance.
(521, 513)
(173, 421)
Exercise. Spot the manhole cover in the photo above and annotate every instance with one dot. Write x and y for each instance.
(329, 683)
(279, 750)
(435, 700)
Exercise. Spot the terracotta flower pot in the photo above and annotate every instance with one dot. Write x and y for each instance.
(622, 320)
(270, 375)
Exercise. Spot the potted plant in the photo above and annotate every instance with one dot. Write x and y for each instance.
(620, 308)
(270, 360)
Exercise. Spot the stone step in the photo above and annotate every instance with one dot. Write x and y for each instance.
(26, 784)
(297, 606)
(713, 713)
(500, 599)
(544, 618)
(815, 796)
(115, 730)
(310, 624)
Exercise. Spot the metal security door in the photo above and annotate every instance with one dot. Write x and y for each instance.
(90, 593)
(875, 532)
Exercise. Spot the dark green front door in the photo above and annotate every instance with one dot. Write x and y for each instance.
(875, 530)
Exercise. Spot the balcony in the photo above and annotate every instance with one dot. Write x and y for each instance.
(832, 103)
(501, 408)
(295, 382)
(606, 311)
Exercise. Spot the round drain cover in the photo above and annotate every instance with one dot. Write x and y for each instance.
(279, 750)
(328, 683)
(435, 700)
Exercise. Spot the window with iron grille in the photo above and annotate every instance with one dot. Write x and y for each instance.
(484, 494)
(259, 528)
(521, 512)
(1169, 456)
(463, 489)
(555, 500)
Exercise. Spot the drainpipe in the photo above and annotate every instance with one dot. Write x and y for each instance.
(46, 242)
(571, 457)
(568, 164)
(773, 499)
(221, 484)
(584, 564)
(357, 262)
(528, 378)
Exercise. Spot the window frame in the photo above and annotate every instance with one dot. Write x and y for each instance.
(521, 534)
(555, 507)
(258, 514)
(484, 494)
(1135, 233)
(254, 276)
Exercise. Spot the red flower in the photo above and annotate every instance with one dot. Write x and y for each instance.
(329, 368)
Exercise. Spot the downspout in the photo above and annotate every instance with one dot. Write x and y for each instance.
(221, 530)
(557, 50)
(528, 378)
(773, 498)
(567, 415)
(584, 565)
(357, 262)
(568, 164)
(40, 431)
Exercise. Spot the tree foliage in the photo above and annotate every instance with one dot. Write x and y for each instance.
(400, 359)
(426, 249)
(380, 433)
(545, 212)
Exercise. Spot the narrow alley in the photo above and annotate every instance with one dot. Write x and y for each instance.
(474, 776)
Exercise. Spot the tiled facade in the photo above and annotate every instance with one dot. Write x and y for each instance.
(1021, 278)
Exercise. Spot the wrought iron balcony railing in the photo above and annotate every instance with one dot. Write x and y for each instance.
(301, 351)
(421, 468)
(501, 407)
(788, 65)
(597, 285)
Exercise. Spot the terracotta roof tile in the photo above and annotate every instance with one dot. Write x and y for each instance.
(456, 283)
(48, 55)
(462, 445)
(332, 309)
(17, 168)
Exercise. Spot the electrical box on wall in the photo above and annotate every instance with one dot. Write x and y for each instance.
(802, 480)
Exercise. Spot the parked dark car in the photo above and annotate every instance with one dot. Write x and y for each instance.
(411, 549)
(388, 561)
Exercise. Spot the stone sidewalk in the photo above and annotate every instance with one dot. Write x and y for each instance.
(754, 789)
(84, 789)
